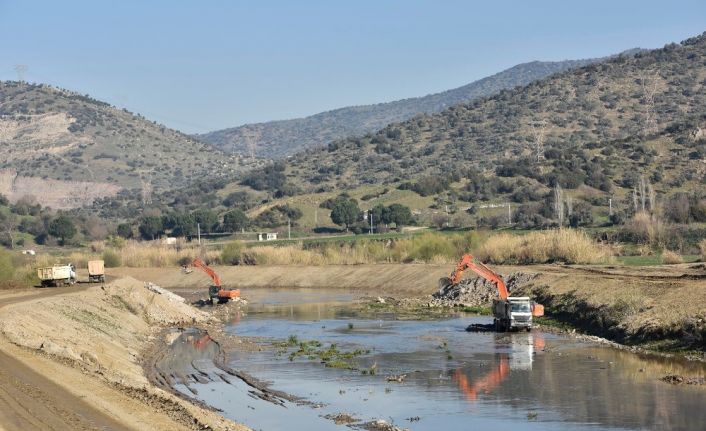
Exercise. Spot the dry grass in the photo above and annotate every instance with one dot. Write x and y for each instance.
(671, 258)
(649, 229)
(561, 245)
(537, 247)
(702, 248)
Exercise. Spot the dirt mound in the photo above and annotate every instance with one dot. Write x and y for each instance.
(473, 292)
(103, 332)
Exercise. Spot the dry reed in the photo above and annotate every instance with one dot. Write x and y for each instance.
(561, 245)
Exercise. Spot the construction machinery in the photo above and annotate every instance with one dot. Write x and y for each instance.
(96, 271)
(57, 275)
(509, 312)
(216, 292)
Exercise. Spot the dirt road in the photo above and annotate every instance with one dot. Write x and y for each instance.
(29, 400)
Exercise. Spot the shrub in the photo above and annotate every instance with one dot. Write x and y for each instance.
(430, 248)
(111, 259)
(671, 258)
(232, 253)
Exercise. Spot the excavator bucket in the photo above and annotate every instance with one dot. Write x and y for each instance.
(537, 310)
(444, 283)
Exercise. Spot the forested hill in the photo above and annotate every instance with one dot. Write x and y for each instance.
(605, 126)
(276, 139)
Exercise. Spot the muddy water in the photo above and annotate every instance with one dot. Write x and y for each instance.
(455, 380)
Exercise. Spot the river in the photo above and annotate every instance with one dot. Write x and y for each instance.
(454, 380)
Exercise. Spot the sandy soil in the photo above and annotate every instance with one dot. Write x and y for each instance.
(71, 360)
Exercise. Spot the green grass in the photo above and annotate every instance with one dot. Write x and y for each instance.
(652, 260)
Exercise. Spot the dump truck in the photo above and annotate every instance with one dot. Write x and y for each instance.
(512, 313)
(57, 275)
(96, 271)
(509, 313)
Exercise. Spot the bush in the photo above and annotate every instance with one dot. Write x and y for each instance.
(430, 248)
(671, 258)
(111, 259)
(232, 253)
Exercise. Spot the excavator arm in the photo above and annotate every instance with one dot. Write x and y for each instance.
(198, 263)
(467, 262)
(216, 291)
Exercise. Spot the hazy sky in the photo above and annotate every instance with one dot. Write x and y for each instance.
(203, 65)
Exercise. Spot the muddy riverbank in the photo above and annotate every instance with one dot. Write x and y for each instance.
(88, 344)
(662, 308)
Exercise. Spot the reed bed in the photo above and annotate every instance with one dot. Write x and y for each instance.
(560, 245)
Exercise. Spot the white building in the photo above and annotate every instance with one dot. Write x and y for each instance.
(267, 236)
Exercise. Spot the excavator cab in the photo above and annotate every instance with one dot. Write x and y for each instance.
(216, 292)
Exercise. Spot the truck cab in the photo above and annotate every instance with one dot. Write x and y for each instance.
(514, 313)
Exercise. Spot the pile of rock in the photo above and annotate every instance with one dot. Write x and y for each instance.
(473, 292)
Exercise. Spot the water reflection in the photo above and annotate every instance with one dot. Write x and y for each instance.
(486, 380)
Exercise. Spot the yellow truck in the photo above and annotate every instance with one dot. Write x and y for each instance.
(96, 271)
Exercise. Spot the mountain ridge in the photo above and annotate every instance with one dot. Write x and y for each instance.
(281, 138)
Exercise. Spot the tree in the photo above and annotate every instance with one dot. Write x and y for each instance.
(151, 226)
(345, 213)
(207, 219)
(235, 220)
(62, 228)
(399, 215)
(125, 230)
(181, 224)
(8, 224)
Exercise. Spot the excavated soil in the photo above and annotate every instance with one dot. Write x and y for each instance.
(82, 344)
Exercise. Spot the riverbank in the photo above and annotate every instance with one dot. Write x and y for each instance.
(661, 308)
(80, 354)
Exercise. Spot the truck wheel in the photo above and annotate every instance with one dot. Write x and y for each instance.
(529, 328)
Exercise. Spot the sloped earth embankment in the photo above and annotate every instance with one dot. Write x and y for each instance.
(91, 344)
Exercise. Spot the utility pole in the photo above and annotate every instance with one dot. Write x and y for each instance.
(198, 231)
(610, 206)
(21, 69)
(509, 214)
(289, 228)
(371, 222)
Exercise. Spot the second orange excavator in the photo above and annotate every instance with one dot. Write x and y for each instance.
(216, 292)
(509, 312)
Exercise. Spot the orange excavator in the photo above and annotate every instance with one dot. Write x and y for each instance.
(509, 312)
(216, 292)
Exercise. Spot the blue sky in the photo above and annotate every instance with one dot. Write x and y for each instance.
(198, 66)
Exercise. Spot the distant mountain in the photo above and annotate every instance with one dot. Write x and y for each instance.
(65, 149)
(277, 139)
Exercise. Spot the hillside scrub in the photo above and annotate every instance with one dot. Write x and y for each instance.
(560, 245)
